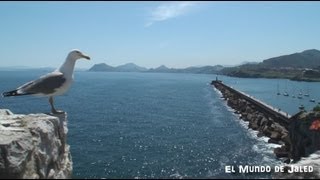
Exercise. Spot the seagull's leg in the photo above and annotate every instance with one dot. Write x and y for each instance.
(53, 110)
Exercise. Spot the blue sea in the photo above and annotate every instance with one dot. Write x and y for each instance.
(159, 125)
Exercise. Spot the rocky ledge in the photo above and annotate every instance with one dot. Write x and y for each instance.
(34, 146)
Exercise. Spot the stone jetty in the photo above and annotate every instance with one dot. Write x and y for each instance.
(293, 133)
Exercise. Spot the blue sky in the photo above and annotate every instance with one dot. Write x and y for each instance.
(176, 34)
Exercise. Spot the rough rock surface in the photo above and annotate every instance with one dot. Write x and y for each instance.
(34, 146)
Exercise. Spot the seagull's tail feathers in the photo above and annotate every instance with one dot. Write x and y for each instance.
(14, 93)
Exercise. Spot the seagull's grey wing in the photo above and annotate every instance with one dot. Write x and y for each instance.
(45, 85)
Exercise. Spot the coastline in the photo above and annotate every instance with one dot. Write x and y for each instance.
(296, 77)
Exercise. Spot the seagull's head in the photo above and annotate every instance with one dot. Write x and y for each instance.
(76, 54)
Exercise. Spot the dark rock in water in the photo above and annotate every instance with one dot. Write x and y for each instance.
(260, 134)
(254, 126)
(281, 152)
(244, 117)
(285, 138)
(264, 128)
(275, 135)
(250, 117)
(267, 132)
(287, 161)
(274, 141)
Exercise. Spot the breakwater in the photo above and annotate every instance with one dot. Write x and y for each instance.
(298, 134)
(269, 121)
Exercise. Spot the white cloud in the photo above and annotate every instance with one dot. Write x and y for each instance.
(169, 11)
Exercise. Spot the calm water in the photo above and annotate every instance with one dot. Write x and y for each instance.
(139, 125)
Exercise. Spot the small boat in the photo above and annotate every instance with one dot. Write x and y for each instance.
(312, 100)
(299, 97)
(285, 94)
(301, 107)
(278, 93)
(307, 95)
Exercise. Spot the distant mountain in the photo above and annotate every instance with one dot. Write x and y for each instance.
(102, 67)
(306, 59)
(161, 68)
(196, 70)
(249, 62)
(205, 69)
(290, 66)
(131, 67)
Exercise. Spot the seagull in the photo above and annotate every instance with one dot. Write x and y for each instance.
(52, 84)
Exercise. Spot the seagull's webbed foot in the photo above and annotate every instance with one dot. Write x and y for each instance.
(54, 111)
